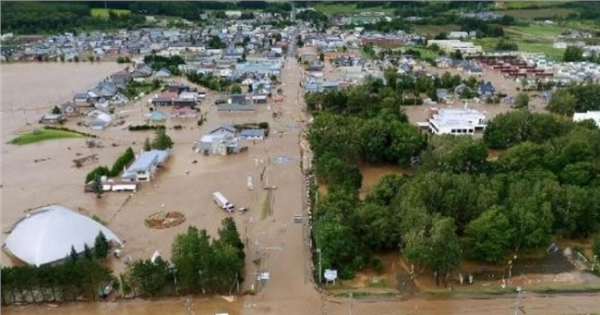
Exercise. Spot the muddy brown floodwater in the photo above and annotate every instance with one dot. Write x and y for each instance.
(43, 173)
(30, 89)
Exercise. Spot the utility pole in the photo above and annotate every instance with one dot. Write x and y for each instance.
(321, 271)
(517, 308)
(350, 311)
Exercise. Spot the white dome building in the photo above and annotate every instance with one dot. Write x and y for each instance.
(46, 235)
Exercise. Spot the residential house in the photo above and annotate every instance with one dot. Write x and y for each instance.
(162, 73)
(217, 144)
(99, 120)
(236, 103)
(70, 109)
(252, 134)
(145, 166)
(486, 89)
(52, 119)
(157, 117)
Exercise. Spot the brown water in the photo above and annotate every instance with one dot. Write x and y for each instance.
(30, 90)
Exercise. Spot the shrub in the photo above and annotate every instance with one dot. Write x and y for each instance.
(377, 265)
(98, 171)
(144, 128)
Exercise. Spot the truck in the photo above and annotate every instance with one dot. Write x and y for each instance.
(222, 202)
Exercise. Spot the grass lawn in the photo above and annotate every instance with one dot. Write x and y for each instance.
(426, 53)
(43, 135)
(340, 8)
(538, 13)
(103, 13)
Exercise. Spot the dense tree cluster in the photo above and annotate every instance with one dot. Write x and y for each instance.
(209, 81)
(199, 264)
(459, 203)
(575, 99)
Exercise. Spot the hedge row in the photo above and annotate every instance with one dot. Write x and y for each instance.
(71, 130)
(119, 164)
(144, 127)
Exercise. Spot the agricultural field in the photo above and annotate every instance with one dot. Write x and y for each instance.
(103, 13)
(489, 44)
(515, 5)
(538, 13)
(329, 8)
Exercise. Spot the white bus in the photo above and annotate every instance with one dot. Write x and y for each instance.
(223, 202)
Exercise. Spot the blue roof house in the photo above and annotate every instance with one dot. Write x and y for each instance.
(144, 167)
(486, 89)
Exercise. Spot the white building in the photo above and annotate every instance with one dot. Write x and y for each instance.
(593, 115)
(46, 235)
(451, 45)
(456, 121)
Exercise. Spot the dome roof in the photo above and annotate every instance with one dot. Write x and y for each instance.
(47, 234)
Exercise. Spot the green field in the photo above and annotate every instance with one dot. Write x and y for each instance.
(103, 13)
(538, 13)
(339, 8)
(489, 44)
(535, 30)
(43, 135)
(533, 4)
(435, 29)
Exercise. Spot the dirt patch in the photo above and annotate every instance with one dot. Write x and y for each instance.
(163, 220)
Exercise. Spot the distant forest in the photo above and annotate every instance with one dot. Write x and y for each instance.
(41, 17)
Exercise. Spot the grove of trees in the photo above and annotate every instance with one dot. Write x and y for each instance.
(459, 204)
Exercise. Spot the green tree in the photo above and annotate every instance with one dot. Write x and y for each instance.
(228, 234)
(161, 140)
(596, 247)
(562, 102)
(192, 255)
(436, 247)
(573, 53)
(521, 100)
(56, 110)
(150, 278)
(87, 252)
(98, 187)
(236, 89)
(147, 145)
(455, 154)
(488, 237)
(101, 246)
